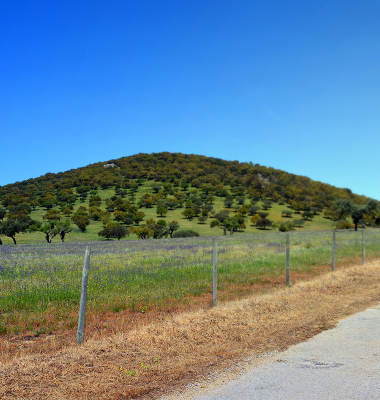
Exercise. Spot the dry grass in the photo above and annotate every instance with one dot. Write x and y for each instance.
(176, 349)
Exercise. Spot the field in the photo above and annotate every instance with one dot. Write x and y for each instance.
(91, 234)
(191, 348)
(139, 280)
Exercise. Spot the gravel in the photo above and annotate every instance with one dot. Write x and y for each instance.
(341, 363)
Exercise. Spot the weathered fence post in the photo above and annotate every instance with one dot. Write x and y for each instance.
(333, 252)
(83, 296)
(363, 240)
(214, 274)
(287, 259)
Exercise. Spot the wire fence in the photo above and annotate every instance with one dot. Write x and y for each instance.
(133, 282)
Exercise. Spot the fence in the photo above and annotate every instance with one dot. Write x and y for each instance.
(131, 282)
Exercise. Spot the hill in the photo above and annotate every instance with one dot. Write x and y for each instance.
(194, 190)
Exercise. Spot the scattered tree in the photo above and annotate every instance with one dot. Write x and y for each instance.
(264, 223)
(346, 207)
(114, 230)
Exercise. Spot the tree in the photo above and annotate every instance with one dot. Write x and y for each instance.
(172, 227)
(48, 204)
(114, 230)
(52, 215)
(138, 216)
(12, 227)
(298, 222)
(188, 213)
(253, 210)
(202, 219)
(49, 230)
(64, 228)
(254, 219)
(161, 211)
(216, 223)
(284, 226)
(263, 223)
(142, 232)
(3, 212)
(263, 214)
(228, 203)
(81, 221)
(172, 204)
(346, 207)
(287, 213)
(307, 215)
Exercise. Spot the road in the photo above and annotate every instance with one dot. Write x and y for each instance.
(341, 363)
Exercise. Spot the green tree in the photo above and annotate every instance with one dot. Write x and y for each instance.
(3, 212)
(142, 232)
(114, 230)
(64, 228)
(284, 226)
(287, 213)
(299, 222)
(228, 203)
(188, 213)
(264, 223)
(12, 227)
(172, 227)
(81, 221)
(307, 215)
(346, 207)
(138, 216)
(263, 214)
(253, 210)
(161, 211)
(202, 219)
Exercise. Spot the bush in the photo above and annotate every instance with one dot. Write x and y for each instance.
(344, 225)
(284, 226)
(183, 234)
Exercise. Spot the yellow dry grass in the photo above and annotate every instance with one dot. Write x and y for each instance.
(169, 353)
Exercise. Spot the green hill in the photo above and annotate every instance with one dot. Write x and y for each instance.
(132, 189)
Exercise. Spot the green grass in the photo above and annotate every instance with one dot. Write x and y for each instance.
(91, 234)
(40, 284)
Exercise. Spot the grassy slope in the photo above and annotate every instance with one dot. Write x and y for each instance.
(318, 223)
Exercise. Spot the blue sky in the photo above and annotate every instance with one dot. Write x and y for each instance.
(294, 85)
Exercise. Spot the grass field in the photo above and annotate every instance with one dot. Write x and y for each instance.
(40, 284)
(91, 234)
(184, 350)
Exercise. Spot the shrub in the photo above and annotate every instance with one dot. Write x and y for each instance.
(183, 234)
(284, 226)
(344, 225)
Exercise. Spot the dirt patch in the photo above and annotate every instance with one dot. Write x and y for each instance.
(176, 349)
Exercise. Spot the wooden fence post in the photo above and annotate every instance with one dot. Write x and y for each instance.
(214, 274)
(287, 259)
(363, 240)
(333, 253)
(83, 296)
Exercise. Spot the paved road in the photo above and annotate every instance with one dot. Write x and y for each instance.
(342, 363)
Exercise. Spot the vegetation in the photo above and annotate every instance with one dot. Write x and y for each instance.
(199, 193)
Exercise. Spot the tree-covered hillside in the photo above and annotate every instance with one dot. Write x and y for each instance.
(129, 192)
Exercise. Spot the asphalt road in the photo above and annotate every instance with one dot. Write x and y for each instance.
(341, 363)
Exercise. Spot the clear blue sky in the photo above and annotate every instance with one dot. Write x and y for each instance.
(290, 84)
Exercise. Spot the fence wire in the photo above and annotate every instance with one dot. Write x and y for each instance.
(134, 281)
